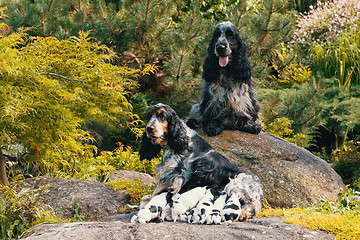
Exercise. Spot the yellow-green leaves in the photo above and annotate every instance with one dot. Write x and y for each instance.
(48, 87)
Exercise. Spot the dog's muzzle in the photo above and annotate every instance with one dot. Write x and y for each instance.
(154, 140)
(222, 52)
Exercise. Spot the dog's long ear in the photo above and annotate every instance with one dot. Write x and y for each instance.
(147, 149)
(211, 66)
(242, 64)
(178, 140)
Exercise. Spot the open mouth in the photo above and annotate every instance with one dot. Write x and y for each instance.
(223, 61)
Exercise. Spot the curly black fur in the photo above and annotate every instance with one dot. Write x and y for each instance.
(228, 98)
(188, 159)
(177, 138)
(147, 149)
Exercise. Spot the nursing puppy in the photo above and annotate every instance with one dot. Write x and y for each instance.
(187, 201)
(232, 209)
(218, 206)
(152, 210)
(201, 213)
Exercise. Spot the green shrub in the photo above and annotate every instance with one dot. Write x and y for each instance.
(281, 127)
(339, 58)
(135, 189)
(20, 209)
(124, 158)
(289, 71)
(346, 161)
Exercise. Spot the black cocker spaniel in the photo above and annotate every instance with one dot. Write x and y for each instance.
(228, 100)
(188, 161)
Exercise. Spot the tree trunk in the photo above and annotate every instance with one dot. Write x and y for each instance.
(3, 177)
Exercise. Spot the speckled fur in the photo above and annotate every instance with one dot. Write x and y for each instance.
(228, 100)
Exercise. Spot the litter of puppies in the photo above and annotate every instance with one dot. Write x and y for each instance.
(200, 205)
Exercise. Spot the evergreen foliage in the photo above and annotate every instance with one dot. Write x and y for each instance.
(172, 34)
(49, 87)
(314, 104)
(346, 160)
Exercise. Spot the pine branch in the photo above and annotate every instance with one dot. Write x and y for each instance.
(240, 16)
(316, 90)
(48, 11)
(135, 58)
(311, 117)
(270, 13)
(105, 18)
(180, 65)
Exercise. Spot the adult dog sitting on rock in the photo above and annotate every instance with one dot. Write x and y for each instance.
(228, 100)
(188, 161)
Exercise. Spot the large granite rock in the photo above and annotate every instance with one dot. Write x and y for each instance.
(291, 176)
(95, 200)
(259, 229)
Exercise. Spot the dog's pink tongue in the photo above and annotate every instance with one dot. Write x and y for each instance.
(223, 61)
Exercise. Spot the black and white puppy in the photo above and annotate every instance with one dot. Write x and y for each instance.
(188, 161)
(152, 210)
(228, 100)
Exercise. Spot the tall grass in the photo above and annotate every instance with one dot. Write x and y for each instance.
(339, 58)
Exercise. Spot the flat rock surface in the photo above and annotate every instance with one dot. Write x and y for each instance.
(264, 228)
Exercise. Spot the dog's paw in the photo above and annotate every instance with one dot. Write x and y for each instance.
(256, 128)
(192, 123)
(213, 129)
(176, 184)
(246, 214)
(251, 127)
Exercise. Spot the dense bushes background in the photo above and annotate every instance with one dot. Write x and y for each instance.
(76, 78)
(305, 63)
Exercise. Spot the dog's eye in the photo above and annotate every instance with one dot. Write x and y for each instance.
(217, 33)
(161, 115)
(229, 33)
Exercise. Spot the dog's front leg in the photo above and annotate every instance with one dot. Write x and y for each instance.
(170, 181)
(249, 126)
(212, 127)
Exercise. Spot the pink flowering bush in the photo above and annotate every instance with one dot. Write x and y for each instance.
(328, 19)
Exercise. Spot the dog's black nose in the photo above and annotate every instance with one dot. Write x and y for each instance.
(150, 129)
(220, 47)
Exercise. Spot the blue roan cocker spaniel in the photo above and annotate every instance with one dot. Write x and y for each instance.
(228, 100)
(189, 162)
